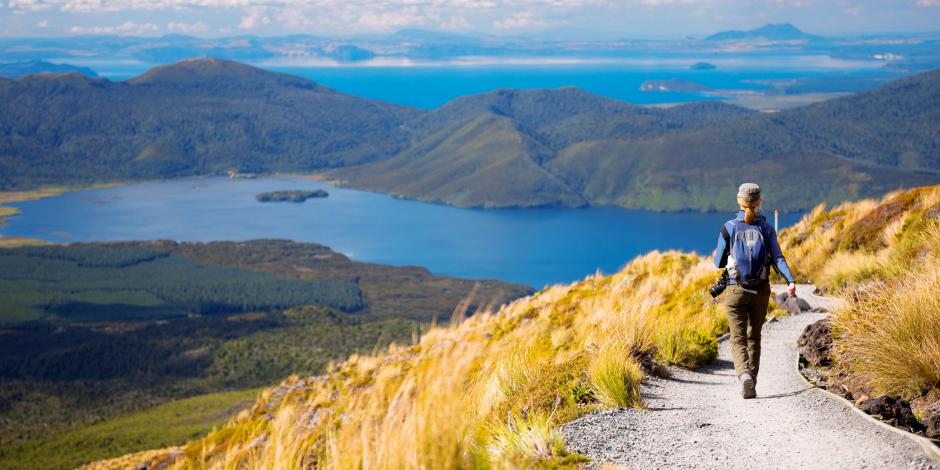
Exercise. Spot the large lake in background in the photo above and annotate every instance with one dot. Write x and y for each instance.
(529, 246)
(429, 85)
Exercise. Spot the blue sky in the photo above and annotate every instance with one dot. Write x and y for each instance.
(564, 18)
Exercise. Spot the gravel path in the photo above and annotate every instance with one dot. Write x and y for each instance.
(697, 419)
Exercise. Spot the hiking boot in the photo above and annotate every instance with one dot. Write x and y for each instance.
(747, 387)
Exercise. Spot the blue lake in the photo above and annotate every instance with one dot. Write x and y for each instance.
(532, 246)
(429, 85)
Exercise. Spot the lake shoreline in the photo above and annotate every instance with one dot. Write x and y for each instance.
(532, 247)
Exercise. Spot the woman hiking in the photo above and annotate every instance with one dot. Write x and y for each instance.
(747, 248)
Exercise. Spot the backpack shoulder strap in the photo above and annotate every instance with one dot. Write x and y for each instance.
(728, 228)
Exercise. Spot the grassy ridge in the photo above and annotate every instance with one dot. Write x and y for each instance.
(164, 425)
(883, 258)
(487, 391)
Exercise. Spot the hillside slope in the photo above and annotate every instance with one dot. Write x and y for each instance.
(196, 117)
(487, 391)
(95, 331)
(693, 156)
(481, 163)
(506, 148)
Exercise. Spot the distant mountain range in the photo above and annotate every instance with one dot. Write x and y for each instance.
(507, 148)
(904, 52)
(18, 69)
(768, 32)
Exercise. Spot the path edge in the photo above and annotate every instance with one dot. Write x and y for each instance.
(926, 445)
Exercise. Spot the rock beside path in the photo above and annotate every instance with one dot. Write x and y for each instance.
(816, 344)
(894, 411)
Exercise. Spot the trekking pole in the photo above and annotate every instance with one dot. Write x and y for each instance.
(776, 215)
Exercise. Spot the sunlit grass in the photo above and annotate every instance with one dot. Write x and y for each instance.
(615, 375)
(489, 390)
(890, 336)
(883, 258)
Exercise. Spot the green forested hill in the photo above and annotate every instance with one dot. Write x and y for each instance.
(506, 148)
(196, 117)
(693, 156)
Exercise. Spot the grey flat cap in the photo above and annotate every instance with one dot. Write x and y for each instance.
(750, 192)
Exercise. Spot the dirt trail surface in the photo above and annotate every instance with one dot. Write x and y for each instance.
(697, 419)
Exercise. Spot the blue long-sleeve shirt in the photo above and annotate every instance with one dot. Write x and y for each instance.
(770, 237)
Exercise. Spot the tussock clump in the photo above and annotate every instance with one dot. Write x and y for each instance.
(615, 376)
(890, 336)
(883, 258)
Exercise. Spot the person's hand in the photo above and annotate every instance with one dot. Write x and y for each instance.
(791, 290)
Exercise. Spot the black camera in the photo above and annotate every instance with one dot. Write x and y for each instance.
(720, 285)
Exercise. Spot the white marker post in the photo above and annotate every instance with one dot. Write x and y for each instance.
(776, 216)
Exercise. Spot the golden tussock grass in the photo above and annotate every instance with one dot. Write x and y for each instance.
(889, 336)
(883, 258)
(487, 391)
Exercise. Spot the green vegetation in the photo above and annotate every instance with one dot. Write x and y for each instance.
(197, 117)
(165, 425)
(91, 283)
(486, 391)
(133, 337)
(507, 148)
(615, 376)
(882, 258)
(290, 196)
(569, 148)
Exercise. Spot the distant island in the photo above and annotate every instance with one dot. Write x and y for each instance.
(703, 66)
(18, 69)
(768, 32)
(291, 196)
(672, 85)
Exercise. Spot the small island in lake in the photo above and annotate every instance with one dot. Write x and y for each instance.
(703, 66)
(291, 196)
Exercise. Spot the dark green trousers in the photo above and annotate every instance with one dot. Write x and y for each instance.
(746, 314)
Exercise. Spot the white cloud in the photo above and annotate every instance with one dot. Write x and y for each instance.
(254, 17)
(42, 24)
(355, 16)
(128, 28)
(520, 19)
(187, 28)
(454, 23)
(386, 20)
(29, 5)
